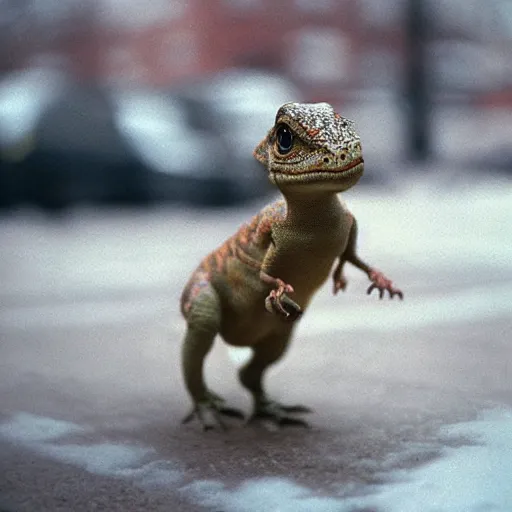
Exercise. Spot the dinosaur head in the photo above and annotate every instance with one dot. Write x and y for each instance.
(311, 147)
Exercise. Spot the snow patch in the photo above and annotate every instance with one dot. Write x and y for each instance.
(271, 494)
(28, 428)
(475, 477)
(107, 459)
(44, 435)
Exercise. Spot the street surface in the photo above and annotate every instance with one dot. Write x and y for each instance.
(412, 400)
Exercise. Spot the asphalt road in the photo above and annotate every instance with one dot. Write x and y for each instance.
(412, 400)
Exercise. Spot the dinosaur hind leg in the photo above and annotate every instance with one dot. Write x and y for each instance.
(251, 376)
(203, 322)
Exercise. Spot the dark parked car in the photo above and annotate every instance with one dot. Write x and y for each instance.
(184, 163)
(24, 97)
(80, 155)
(87, 143)
(60, 144)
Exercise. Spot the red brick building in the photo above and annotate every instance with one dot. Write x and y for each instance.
(327, 47)
(317, 47)
(162, 42)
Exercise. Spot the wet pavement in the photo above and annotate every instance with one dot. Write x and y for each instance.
(412, 400)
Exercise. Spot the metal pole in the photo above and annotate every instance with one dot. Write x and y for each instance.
(416, 87)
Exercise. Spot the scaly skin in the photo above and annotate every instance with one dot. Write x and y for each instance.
(255, 286)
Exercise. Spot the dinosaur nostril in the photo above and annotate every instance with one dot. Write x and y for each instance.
(326, 160)
(343, 156)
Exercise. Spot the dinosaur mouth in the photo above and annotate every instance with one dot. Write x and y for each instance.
(354, 167)
(351, 165)
(343, 170)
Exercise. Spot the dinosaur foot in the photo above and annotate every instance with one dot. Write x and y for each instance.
(210, 412)
(278, 415)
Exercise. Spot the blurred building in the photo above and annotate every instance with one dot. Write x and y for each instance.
(327, 47)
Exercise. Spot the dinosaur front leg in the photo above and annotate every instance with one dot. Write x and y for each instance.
(277, 301)
(339, 280)
(203, 319)
(379, 281)
(251, 375)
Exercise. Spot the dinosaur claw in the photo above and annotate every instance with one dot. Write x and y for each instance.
(288, 288)
(279, 303)
(209, 412)
(340, 282)
(293, 422)
(383, 284)
(188, 418)
(279, 415)
(231, 412)
(339, 285)
(296, 409)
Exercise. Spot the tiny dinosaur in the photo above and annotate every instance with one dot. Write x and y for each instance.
(254, 287)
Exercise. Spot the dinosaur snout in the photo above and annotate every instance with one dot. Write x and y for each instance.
(346, 154)
(355, 148)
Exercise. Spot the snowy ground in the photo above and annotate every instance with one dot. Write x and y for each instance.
(412, 399)
(473, 476)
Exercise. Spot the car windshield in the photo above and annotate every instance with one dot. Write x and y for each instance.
(23, 98)
(152, 112)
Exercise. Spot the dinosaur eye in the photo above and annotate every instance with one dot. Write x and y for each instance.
(284, 139)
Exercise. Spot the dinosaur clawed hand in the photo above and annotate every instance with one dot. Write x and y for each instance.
(382, 283)
(340, 282)
(279, 303)
(210, 412)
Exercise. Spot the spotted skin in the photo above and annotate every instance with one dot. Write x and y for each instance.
(254, 287)
(320, 124)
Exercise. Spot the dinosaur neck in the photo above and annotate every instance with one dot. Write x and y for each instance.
(315, 210)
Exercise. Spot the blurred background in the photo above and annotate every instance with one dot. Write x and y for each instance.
(126, 136)
(109, 101)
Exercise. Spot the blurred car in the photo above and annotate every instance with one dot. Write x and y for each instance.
(240, 106)
(79, 154)
(24, 96)
(82, 142)
(78, 142)
(60, 145)
(184, 163)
